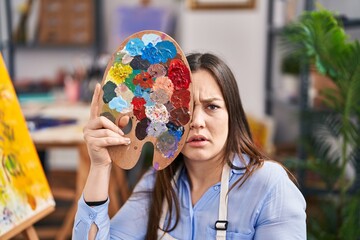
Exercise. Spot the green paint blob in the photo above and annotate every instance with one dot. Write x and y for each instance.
(129, 80)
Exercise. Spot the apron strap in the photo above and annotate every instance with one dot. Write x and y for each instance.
(221, 224)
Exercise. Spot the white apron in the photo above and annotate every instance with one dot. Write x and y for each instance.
(221, 224)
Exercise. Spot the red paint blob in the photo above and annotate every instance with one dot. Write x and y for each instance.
(179, 74)
(143, 79)
(180, 116)
(180, 98)
(140, 113)
(138, 103)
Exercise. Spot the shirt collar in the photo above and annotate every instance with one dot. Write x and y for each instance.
(236, 162)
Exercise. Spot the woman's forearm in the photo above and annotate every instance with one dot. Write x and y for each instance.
(97, 184)
(97, 189)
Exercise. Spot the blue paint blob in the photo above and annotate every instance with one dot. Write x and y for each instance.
(139, 91)
(149, 102)
(176, 131)
(161, 52)
(118, 103)
(134, 47)
(151, 54)
(167, 50)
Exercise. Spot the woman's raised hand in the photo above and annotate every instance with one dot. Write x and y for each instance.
(100, 133)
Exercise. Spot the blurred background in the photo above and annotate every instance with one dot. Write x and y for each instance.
(57, 50)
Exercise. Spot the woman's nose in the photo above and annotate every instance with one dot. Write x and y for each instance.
(198, 120)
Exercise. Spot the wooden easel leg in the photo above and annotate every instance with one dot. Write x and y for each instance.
(30, 233)
(82, 172)
(66, 228)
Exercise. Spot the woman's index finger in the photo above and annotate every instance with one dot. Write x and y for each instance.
(94, 108)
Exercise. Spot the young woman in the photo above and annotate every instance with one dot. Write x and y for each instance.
(221, 186)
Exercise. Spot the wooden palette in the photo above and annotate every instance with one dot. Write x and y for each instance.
(149, 80)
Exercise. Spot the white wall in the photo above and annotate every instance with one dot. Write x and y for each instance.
(351, 8)
(239, 37)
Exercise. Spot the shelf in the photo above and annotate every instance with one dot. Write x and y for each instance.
(275, 30)
(53, 47)
(93, 46)
(351, 23)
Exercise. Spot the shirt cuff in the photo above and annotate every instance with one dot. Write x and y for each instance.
(97, 214)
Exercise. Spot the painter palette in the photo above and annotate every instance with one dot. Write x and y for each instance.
(149, 80)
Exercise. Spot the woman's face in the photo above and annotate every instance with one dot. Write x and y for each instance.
(209, 125)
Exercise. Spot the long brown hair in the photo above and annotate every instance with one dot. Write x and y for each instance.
(239, 141)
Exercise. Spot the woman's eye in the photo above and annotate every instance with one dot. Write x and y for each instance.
(212, 107)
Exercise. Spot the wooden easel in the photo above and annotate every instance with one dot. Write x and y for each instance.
(26, 228)
(30, 234)
(26, 160)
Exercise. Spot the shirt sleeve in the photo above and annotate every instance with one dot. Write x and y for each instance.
(86, 216)
(130, 222)
(282, 215)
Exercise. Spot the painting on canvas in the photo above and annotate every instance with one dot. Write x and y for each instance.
(24, 190)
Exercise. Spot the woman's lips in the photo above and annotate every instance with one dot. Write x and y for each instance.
(197, 141)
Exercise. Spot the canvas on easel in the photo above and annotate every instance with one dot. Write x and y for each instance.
(25, 196)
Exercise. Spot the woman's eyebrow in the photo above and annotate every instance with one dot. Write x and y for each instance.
(212, 99)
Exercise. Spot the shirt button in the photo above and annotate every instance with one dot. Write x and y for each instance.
(216, 188)
(92, 216)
